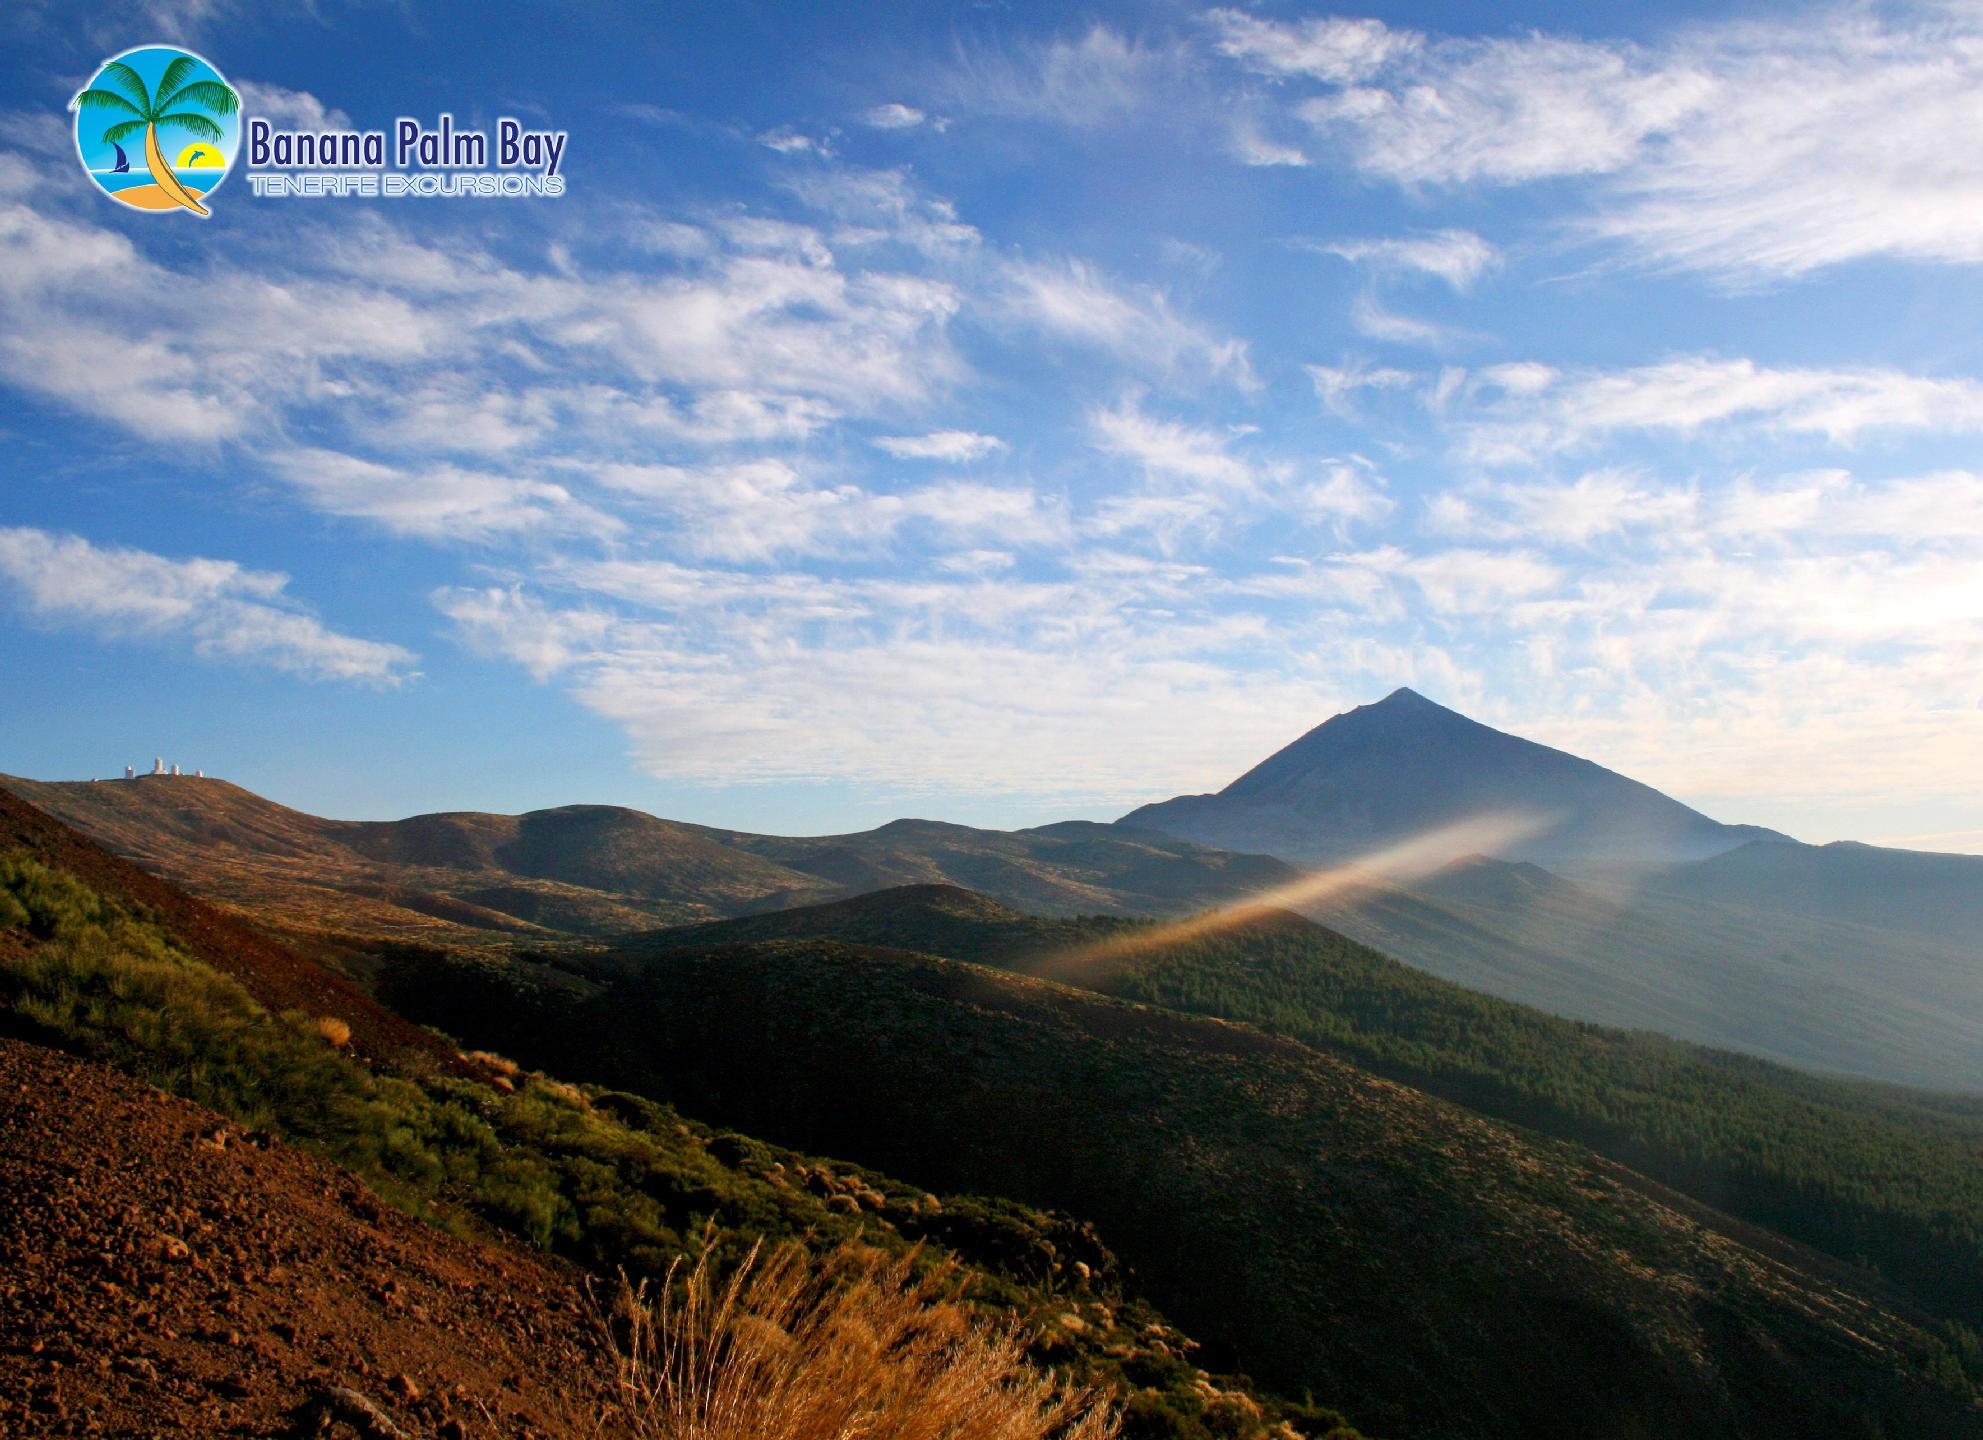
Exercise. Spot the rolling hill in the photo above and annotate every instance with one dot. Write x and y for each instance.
(1384, 773)
(595, 870)
(1875, 1175)
(1321, 1226)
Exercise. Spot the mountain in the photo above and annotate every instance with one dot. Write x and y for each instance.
(1327, 1229)
(595, 870)
(1797, 1153)
(1386, 773)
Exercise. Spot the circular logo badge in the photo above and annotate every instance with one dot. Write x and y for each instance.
(158, 129)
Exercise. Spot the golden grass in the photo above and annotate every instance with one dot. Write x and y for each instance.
(855, 1346)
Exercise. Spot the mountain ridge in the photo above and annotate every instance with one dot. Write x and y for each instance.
(469, 877)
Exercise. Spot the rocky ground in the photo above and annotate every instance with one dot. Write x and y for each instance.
(165, 1273)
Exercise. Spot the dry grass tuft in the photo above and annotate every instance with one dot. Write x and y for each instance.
(334, 1030)
(856, 1345)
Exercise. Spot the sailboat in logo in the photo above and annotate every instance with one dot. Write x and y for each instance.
(123, 165)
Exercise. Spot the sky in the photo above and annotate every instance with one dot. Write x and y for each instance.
(1010, 413)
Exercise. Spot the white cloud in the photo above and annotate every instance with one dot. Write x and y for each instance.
(1372, 317)
(1075, 301)
(287, 109)
(874, 206)
(1573, 512)
(1337, 386)
(1507, 110)
(1326, 48)
(1539, 410)
(1059, 697)
(222, 610)
(1462, 580)
(1192, 479)
(435, 501)
(1945, 507)
(1459, 257)
(762, 509)
(951, 447)
(1756, 149)
(1253, 146)
(1828, 141)
(1096, 79)
(1347, 490)
(788, 141)
(894, 116)
(1170, 452)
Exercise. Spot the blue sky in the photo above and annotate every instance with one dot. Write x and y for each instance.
(1006, 413)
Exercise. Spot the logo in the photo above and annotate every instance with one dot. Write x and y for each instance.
(157, 129)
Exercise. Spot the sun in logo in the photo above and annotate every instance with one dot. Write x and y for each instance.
(149, 99)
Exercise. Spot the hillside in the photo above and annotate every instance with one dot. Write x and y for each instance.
(1327, 1229)
(590, 870)
(1384, 773)
(1864, 1173)
(277, 978)
(609, 1181)
(169, 1274)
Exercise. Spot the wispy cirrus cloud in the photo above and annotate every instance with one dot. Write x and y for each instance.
(951, 447)
(1325, 48)
(1098, 77)
(1077, 302)
(1459, 257)
(1528, 410)
(217, 608)
(1755, 149)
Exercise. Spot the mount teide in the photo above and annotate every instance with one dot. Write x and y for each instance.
(1384, 773)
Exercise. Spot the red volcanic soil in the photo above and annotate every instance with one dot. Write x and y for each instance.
(163, 1273)
(278, 978)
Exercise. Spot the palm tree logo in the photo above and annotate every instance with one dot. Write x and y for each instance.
(164, 94)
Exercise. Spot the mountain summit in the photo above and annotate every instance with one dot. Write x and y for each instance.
(1384, 773)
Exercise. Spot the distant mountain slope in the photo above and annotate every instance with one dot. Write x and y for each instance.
(588, 870)
(1911, 891)
(1745, 960)
(1332, 1230)
(1387, 772)
(1856, 1170)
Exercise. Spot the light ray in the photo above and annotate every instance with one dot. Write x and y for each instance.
(1406, 860)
